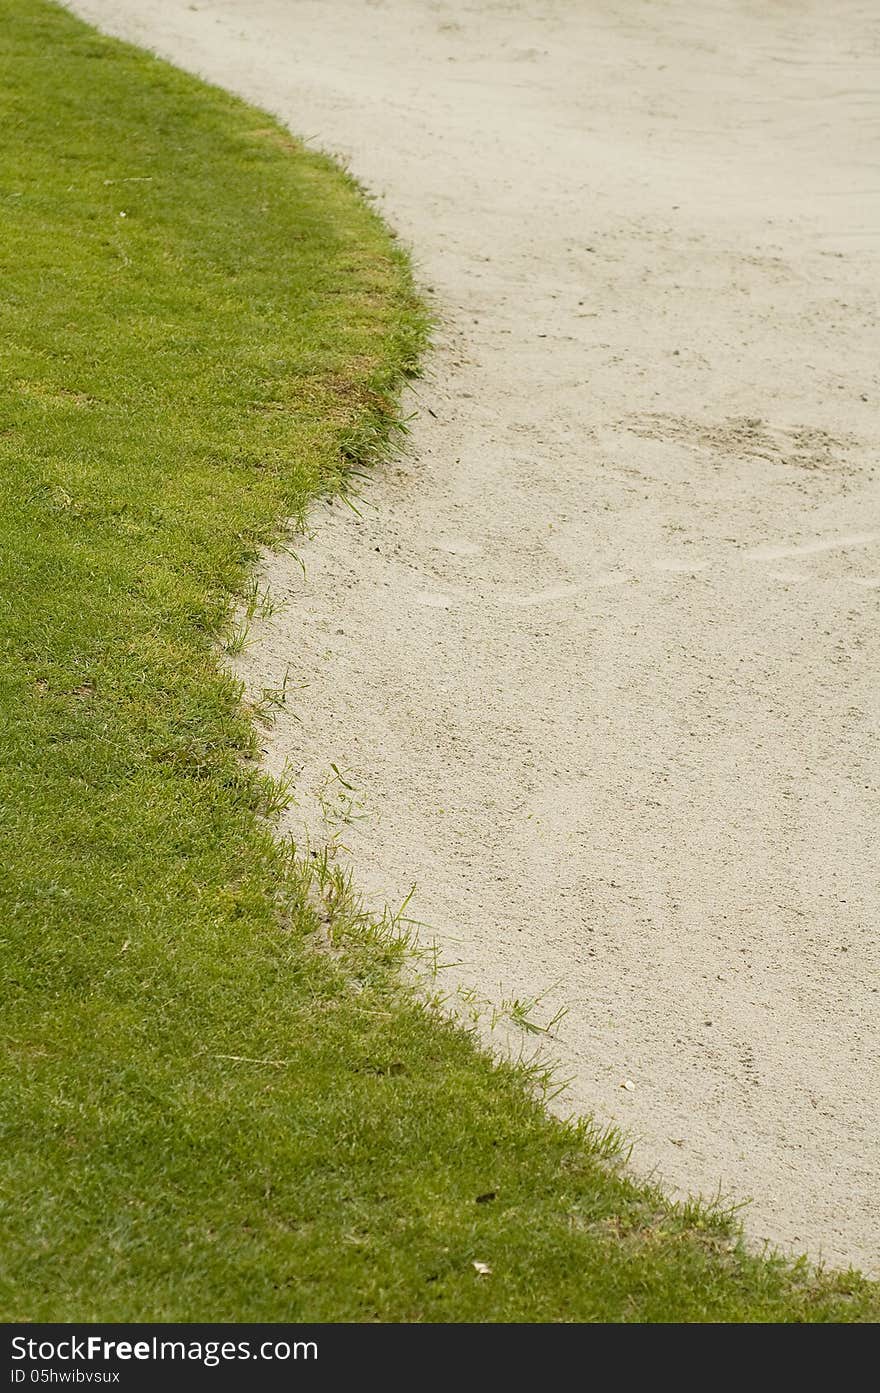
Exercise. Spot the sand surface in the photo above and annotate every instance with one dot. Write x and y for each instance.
(601, 652)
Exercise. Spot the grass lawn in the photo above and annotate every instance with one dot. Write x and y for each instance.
(202, 326)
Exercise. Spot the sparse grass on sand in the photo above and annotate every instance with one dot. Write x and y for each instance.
(205, 1114)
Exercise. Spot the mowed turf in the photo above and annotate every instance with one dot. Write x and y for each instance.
(205, 1115)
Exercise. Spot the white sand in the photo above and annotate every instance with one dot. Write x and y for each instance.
(602, 651)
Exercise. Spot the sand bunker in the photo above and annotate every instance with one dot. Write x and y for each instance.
(601, 651)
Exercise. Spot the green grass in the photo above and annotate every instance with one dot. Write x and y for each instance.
(174, 382)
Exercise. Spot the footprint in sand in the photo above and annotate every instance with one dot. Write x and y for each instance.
(457, 546)
(856, 539)
(433, 599)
